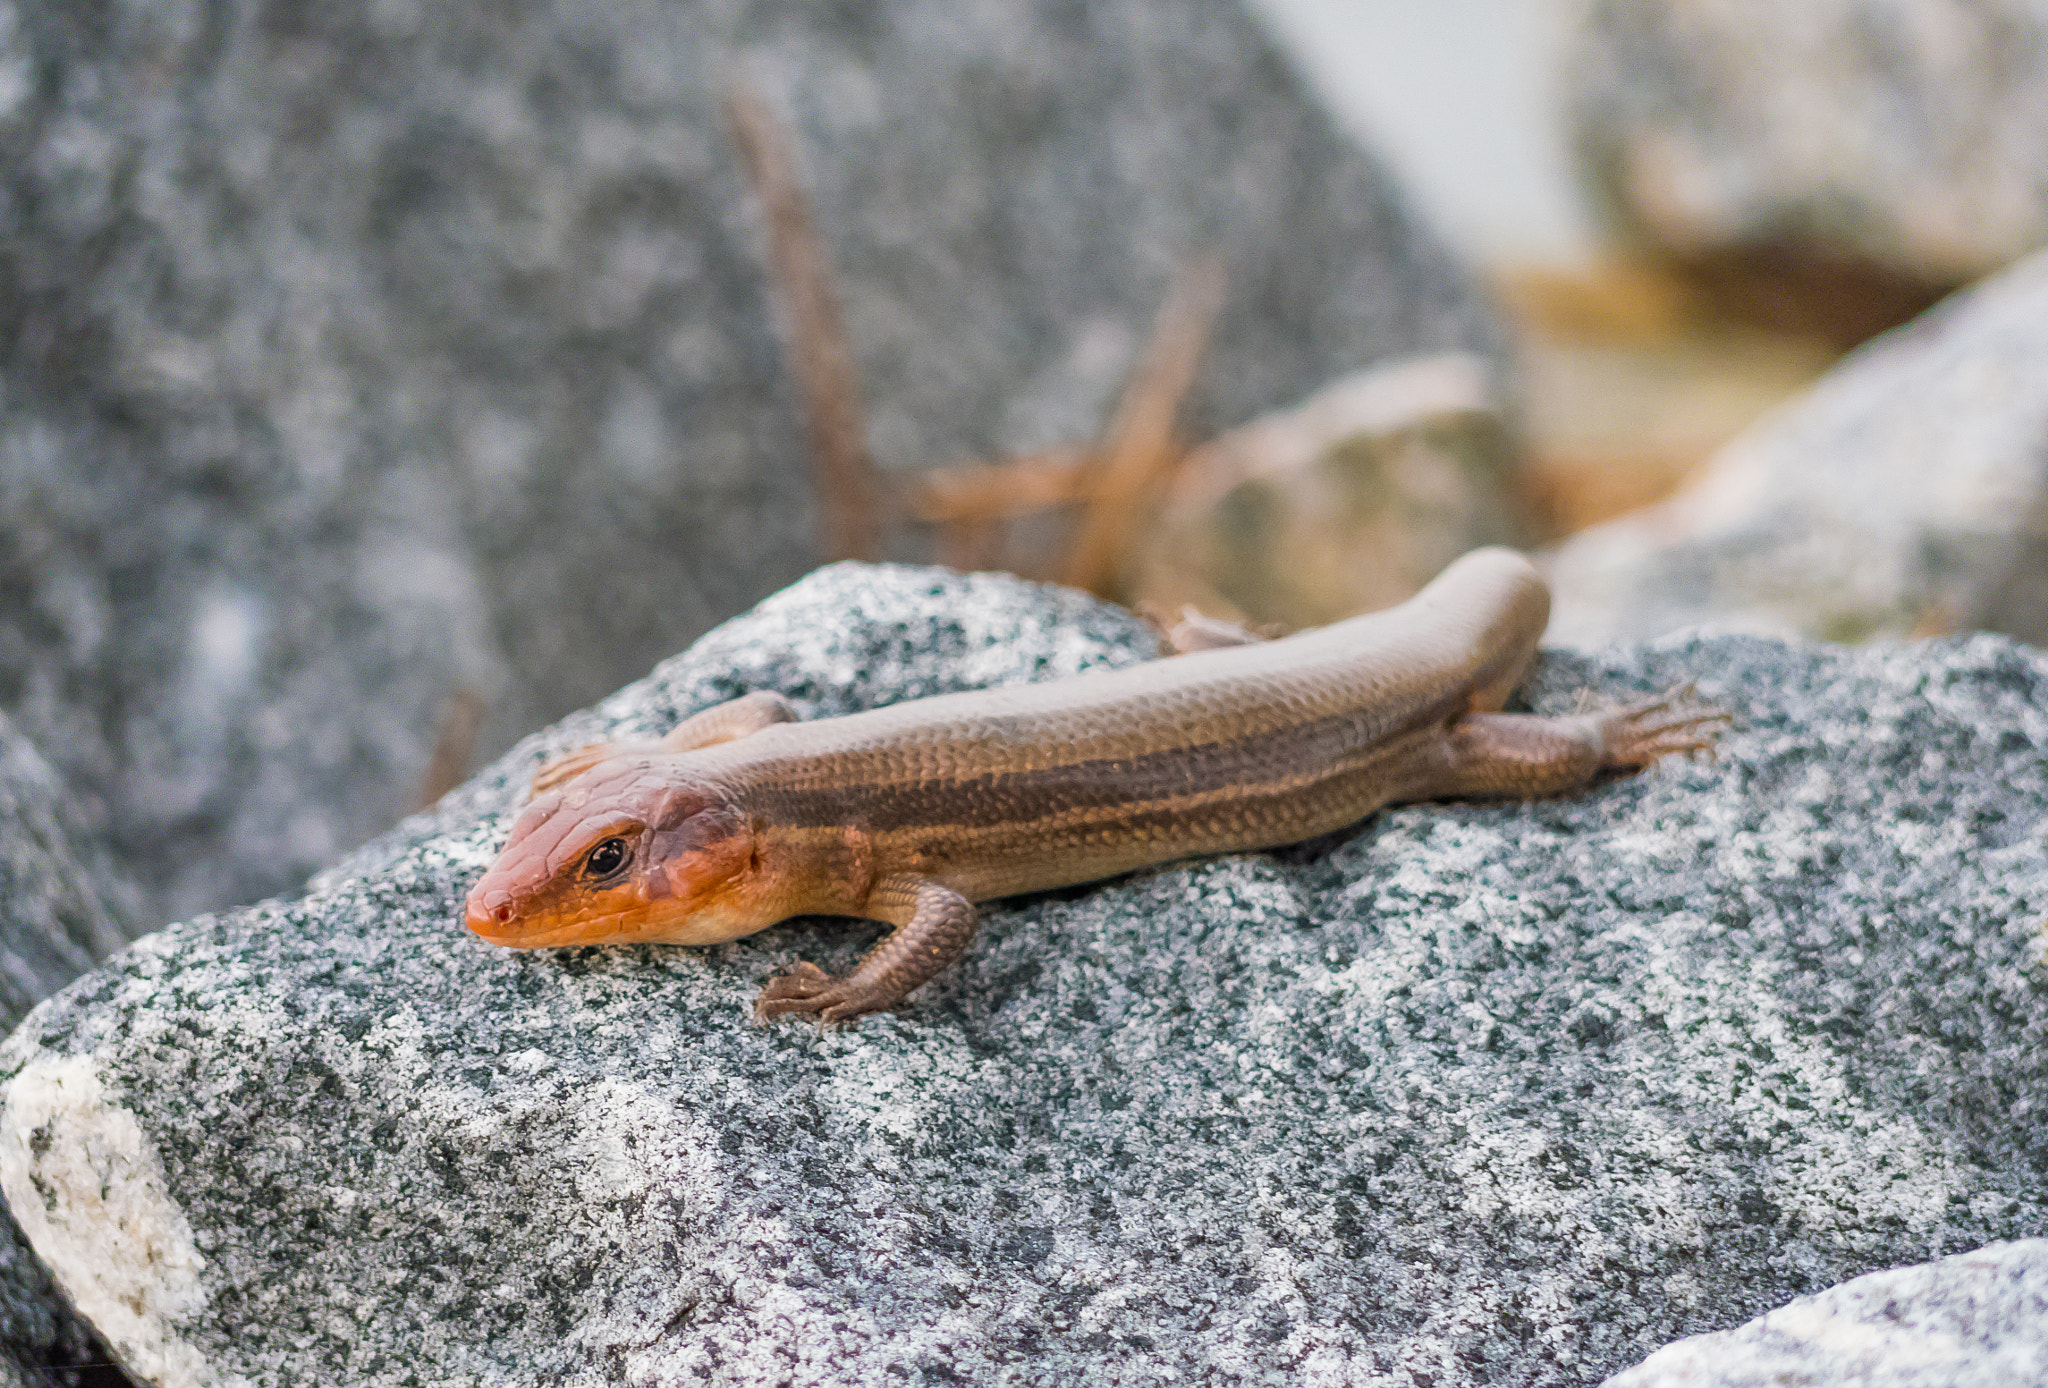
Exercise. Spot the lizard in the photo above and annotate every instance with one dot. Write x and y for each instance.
(911, 813)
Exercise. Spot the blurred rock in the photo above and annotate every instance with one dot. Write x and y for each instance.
(1478, 1094)
(63, 908)
(360, 357)
(1615, 426)
(1973, 1320)
(1345, 503)
(1628, 380)
(1832, 165)
(1906, 493)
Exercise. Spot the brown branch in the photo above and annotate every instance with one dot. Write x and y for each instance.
(970, 545)
(849, 488)
(453, 744)
(1139, 451)
(1001, 491)
(971, 504)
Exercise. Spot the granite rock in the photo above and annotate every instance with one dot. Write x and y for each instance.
(63, 908)
(355, 356)
(1906, 491)
(1973, 1320)
(1872, 149)
(1472, 1095)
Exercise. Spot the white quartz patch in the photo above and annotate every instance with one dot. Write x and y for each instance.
(88, 1189)
(1972, 1320)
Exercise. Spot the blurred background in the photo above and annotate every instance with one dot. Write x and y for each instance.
(382, 381)
(1631, 371)
(1466, 100)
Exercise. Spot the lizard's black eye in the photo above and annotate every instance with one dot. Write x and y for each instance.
(605, 859)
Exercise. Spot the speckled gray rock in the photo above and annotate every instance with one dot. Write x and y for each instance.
(1907, 489)
(1974, 1320)
(1477, 1094)
(1911, 135)
(63, 908)
(353, 355)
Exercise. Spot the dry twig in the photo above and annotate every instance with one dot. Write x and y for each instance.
(1020, 486)
(1139, 450)
(849, 488)
(453, 744)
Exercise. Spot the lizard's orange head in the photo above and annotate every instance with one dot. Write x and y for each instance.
(623, 853)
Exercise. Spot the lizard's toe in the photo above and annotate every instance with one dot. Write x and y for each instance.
(808, 990)
(791, 992)
(1671, 724)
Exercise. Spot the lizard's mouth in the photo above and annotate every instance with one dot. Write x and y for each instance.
(497, 919)
(626, 916)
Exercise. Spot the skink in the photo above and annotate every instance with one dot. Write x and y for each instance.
(909, 814)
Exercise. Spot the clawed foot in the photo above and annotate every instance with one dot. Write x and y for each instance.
(809, 989)
(1672, 723)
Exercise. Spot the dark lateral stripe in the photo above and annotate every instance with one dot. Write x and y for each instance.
(1153, 788)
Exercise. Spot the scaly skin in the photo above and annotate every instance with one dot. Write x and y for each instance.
(909, 814)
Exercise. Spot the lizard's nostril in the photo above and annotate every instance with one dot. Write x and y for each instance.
(490, 912)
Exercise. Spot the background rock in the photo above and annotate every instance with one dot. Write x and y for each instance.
(1833, 164)
(1907, 491)
(1345, 503)
(1974, 1320)
(1477, 1094)
(63, 908)
(353, 356)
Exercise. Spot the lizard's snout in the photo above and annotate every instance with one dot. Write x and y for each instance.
(489, 911)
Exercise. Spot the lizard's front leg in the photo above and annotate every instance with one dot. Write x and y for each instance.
(936, 924)
(735, 718)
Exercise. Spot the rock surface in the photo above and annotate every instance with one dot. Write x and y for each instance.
(1477, 1094)
(63, 908)
(1907, 490)
(1874, 145)
(355, 356)
(1974, 1320)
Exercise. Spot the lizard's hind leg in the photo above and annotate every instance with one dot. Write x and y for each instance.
(1522, 756)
